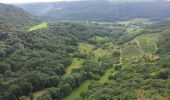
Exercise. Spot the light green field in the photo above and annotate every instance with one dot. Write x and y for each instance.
(39, 26)
(144, 21)
(148, 42)
(86, 48)
(35, 95)
(141, 20)
(76, 92)
(105, 77)
(99, 38)
(77, 62)
(130, 50)
(84, 86)
(132, 30)
(99, 53)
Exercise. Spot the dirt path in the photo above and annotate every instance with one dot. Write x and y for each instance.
(121, 57)
(139, 47)
(156, 47)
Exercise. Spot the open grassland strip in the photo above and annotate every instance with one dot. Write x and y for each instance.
(35, 95)
(76, 92)
(105, 77)
(77, 62)
(84, 86)
(39, 26)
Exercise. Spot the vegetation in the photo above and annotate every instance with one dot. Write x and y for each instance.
(101, 10)
(37, 60)
(13, 17)
(39, 26)
(149, 80)
(94, 61)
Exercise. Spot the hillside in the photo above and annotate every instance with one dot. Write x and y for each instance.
(141, 81)
(37, 58)
(14, 17)
(124, 60)
(99, 10)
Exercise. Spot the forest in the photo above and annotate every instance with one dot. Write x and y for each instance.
(75, 60)
(99, 10)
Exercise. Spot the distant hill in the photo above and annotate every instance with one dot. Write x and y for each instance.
(99, 10)
(12, 16)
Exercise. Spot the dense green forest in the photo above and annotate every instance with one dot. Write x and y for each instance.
(100, 10)
(67, 60)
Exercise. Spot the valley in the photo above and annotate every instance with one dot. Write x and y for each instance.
(139, 49)
(78, 51)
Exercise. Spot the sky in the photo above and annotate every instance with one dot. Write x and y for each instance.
(29, 1)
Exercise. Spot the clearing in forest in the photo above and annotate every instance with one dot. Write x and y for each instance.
(39, 26)
(86, 48)
(77, 62)
(99, 38)
(148, 42)
(76, 92)
(35, 95)
(130, 50)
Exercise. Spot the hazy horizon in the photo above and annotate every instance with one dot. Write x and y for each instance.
(35, 1)
(31, 1)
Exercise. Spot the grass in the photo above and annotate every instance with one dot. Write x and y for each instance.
(105, 77)
(84, 86)
(144, 21)
(35, 95)
(100, 52)
(130, 50)
(144, 44)
(148, 42)
(76, 92)
(99, 38)
(77, 62)
(39, 26)
(86, 48)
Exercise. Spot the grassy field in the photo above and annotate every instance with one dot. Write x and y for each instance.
(84, 86)
(35, 95)
(144, 44)
(39, 26)
(77, 62)
(143, 21)
(76, 92)
(86, 48)
(105, 77)
(99, 38)
(148, 42)
(130, 50)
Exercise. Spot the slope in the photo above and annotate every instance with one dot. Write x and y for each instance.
(14, 17)
(99, 10)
